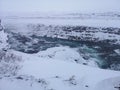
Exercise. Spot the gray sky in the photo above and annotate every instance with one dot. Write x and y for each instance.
(59, 5)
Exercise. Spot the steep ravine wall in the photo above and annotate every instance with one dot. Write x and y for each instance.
(78, 33)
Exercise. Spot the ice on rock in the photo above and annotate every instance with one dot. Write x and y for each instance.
(3, 38)
(1, 28)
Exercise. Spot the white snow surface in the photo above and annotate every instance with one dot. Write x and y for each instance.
(59, 74)
(81, 22)
(3, 38)
(66, 54)
(104, 19)
(117, 51)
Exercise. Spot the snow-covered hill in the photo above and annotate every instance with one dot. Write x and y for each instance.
(42, 73)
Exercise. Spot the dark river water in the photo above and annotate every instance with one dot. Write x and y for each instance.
(103, 52)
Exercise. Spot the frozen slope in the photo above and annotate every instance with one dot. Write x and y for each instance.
(84, 76)
(58, 75)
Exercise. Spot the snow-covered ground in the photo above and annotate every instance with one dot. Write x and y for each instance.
(81, 22)
(106, 19)
(3, 37)
(41, 73)
(55, 68)
(66, 54)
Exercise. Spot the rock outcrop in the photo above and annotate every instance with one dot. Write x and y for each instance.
(3, 38)
(78, 33)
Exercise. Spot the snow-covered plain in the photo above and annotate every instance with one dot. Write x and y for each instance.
(106, 19)
(81, 22)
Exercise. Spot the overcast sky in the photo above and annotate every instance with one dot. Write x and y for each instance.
(59, 5)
